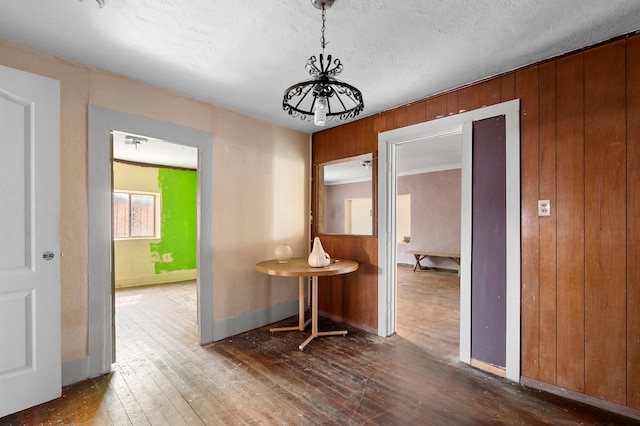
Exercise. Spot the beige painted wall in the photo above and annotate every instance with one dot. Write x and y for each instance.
(133, 262)
(261, 186)
(435, 216)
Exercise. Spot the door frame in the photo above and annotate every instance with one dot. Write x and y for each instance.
(388, 143)
(101, 122)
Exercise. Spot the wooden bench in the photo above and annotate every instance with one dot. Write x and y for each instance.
(419, 255)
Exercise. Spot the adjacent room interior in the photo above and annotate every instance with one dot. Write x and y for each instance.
(428, 221)
(155, 190)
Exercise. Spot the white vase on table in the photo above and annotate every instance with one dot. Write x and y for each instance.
(318, 257)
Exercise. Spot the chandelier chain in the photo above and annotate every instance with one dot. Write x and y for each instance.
(324, 18)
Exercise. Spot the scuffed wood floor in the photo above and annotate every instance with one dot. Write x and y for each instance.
(428, 310)
(162, 377)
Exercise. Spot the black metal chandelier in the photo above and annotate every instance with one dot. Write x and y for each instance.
(323, 96)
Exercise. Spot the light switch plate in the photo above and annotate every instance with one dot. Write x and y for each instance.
(544, 208)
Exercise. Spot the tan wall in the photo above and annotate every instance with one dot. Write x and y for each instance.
(435, 215)
(260, 186)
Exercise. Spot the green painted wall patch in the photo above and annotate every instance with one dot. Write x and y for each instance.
(176, 250)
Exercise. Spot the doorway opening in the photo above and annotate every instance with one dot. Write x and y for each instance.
(154, 229)
(102, 121)
(428, 194)
(388, 144)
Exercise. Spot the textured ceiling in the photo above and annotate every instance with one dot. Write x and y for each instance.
(242, 54)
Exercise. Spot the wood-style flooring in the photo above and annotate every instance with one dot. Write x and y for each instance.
(428, 310)
(163, 377)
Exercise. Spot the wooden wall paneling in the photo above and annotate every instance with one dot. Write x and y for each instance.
(597, 180)
(479, 95)
(329, 299)
(371, 134)
(320, 150)
(369, 248)
(548, 263)
(371, 273)
(326, 300)
(490, 93)
(399, 117)
(372, 294)
(527, 90)
(389, 121)
(361, 135)
(364, 250)
(354, 286)
(468, 98)
(337, 306)
(318, 206)
(452, 103)
(436, 107)
(416, 113)
(605, 220)
(322, 147)
(347, 297)
(331, 143)
(633, 222)
(337, 142)
(508, 87)
(374, 196)
(570, 221)
(379, 124)
(350, 298)
(349, 141)
(382, 123)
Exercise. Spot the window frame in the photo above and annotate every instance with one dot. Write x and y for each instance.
(157, 235)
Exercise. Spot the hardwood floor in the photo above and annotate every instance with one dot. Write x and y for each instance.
(428, 310)
(162, 377)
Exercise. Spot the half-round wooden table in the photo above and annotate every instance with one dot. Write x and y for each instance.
(299, 267)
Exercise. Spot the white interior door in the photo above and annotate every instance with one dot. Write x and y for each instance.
(30, 353)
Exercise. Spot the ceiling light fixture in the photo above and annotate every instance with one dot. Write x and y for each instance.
(135, 140)
(366, 164)
(323, 96)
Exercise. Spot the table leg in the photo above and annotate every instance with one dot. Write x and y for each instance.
(314, 317)
(455, 259)
(418, 265)
(302, 324)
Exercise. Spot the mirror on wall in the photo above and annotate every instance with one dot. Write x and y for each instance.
(345, 196)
